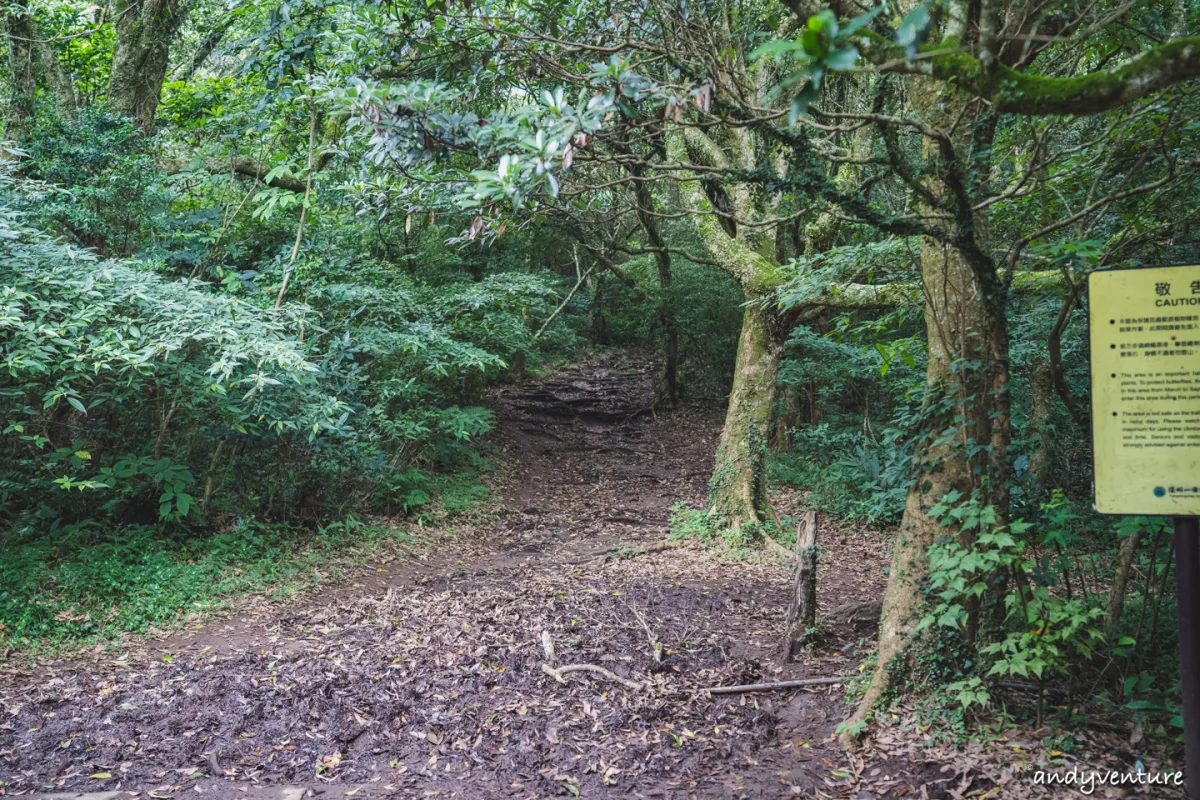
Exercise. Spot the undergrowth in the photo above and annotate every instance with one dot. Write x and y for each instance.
(76, 584)
(85, 584)
(694, 523)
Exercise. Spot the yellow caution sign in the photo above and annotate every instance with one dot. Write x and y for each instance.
(1145, 343)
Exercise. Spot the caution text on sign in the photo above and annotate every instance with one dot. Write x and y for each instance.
(1145, 348)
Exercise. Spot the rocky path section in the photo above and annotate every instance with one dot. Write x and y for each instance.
(428, 679)
(589, 458)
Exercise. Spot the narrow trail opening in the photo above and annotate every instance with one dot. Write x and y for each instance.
(426, 679)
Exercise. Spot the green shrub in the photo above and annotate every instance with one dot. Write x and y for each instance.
(128, 396)
(108, 189)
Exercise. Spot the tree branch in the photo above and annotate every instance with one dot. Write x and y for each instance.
(249, 167)
(1011, 91)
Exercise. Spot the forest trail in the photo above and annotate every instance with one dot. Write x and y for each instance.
(424, 677)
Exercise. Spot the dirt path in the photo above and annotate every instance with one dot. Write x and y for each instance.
(425, 679)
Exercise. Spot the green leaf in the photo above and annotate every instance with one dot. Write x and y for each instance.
(776, 48)
(912, 26)
(1143, 705)
(950, 618)
(862, 20)
(99, 776)
(77, 405)
(842, 59)
(810, 40)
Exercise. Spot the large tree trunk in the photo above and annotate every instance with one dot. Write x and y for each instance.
(738, 491)
(19, 29)
(955, 318)
(145, 29)
(57, 78)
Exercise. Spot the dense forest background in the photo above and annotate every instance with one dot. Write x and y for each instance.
(260, 262)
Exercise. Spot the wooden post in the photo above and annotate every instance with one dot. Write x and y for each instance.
(802, 608)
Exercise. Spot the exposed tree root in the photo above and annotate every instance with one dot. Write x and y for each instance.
(558, 674)
(621, 553)
(869, 611)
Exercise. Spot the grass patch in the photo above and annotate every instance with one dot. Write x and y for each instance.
(73, 585)
(81, 583)
(695, 523)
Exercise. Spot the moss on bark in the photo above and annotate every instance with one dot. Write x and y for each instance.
(1016, 92)
(966, 344)
(738, 489)
(145, 30)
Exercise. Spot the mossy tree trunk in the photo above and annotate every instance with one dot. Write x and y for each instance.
(738, 489)
(19, 29)
(957, 428)
(965, 442)
(145, 30)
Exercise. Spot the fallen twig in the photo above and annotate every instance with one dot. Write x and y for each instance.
(656, 647)
(618, 554)
(768, 687)
(558, 674)
(566, 300)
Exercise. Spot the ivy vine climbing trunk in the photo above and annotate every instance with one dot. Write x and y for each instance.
(965, 389)
(954, 316)
(145, 30)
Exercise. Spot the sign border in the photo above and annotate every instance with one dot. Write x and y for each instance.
(1092, 382)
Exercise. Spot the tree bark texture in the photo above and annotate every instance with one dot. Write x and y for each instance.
(668, 389)
(19, 29)
(145, 30)
(802, 608)
(738, 489)
(1116, 593)
(965, 382)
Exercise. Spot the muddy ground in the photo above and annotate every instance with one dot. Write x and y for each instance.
(425, 677)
